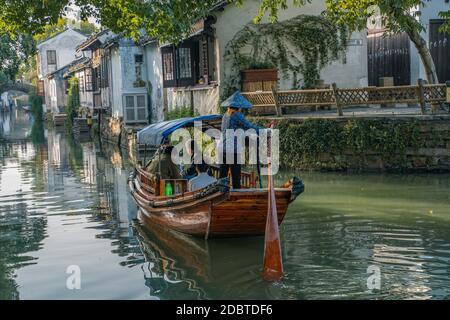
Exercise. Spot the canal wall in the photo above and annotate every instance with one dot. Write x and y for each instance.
(380, 144)
(364, 144)
(113, 130)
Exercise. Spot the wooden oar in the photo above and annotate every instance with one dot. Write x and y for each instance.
(273, 263)
(258, 166)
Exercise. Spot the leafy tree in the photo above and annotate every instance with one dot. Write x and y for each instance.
(50, 30)
(164, 19)
(169, 20)
(13, 50)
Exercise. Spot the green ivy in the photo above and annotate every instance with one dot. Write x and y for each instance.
(321, 143)
(180, 112)
(300, 47)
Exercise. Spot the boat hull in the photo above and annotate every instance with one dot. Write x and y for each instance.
(219, 214)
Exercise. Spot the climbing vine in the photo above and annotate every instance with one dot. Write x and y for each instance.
(299, 47)
(334, 145)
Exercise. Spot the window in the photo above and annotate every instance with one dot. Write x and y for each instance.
(138, 58)
(141, 107)
(135, 108)
(89, 80)
(138, 71)
(129, 108)
(51, 57)
(95, 79)
(184, 61)
(81, 83)
(189, 64)
(168, 67)
(104, 83)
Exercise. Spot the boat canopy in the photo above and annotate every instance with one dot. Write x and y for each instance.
(155, 134)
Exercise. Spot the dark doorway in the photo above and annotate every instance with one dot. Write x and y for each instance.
(388, 56)
(440, 50)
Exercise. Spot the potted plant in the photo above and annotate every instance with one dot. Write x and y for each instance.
(259, 76)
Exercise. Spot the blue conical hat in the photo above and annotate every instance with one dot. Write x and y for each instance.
(237, 100)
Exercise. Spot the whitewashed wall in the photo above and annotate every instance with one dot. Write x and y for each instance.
(205, 100)
(53, 103)
(86, 97)
(154, 75)
(115, 83)
(123, 75)
(350, 74)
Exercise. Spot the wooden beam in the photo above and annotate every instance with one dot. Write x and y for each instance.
(275, 99)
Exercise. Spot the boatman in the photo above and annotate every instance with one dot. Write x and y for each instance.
(234, 119)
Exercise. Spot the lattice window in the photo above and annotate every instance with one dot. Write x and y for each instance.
(51, 57)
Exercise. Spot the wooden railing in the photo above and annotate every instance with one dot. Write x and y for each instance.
(276, 102)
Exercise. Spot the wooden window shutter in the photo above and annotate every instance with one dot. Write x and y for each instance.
(169, 67)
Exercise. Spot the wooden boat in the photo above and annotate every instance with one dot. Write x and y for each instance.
(215, 211)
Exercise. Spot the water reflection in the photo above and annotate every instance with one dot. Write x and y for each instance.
(65, 202)
(179, 266)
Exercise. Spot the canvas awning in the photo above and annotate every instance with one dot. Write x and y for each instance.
(155, 134)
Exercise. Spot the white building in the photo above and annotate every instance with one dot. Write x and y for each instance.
(55, 53)
(94, 75)
(152, 56)
(125, 81)
(82, 70)
(58, 86)
(194, 72)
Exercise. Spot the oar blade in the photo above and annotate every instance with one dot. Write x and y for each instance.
(273, 261)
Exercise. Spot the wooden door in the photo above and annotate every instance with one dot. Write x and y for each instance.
(388, 56)
(440, 50)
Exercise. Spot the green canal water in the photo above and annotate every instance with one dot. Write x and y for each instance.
(65, 203)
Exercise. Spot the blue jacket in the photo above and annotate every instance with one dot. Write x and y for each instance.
(235, 121)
